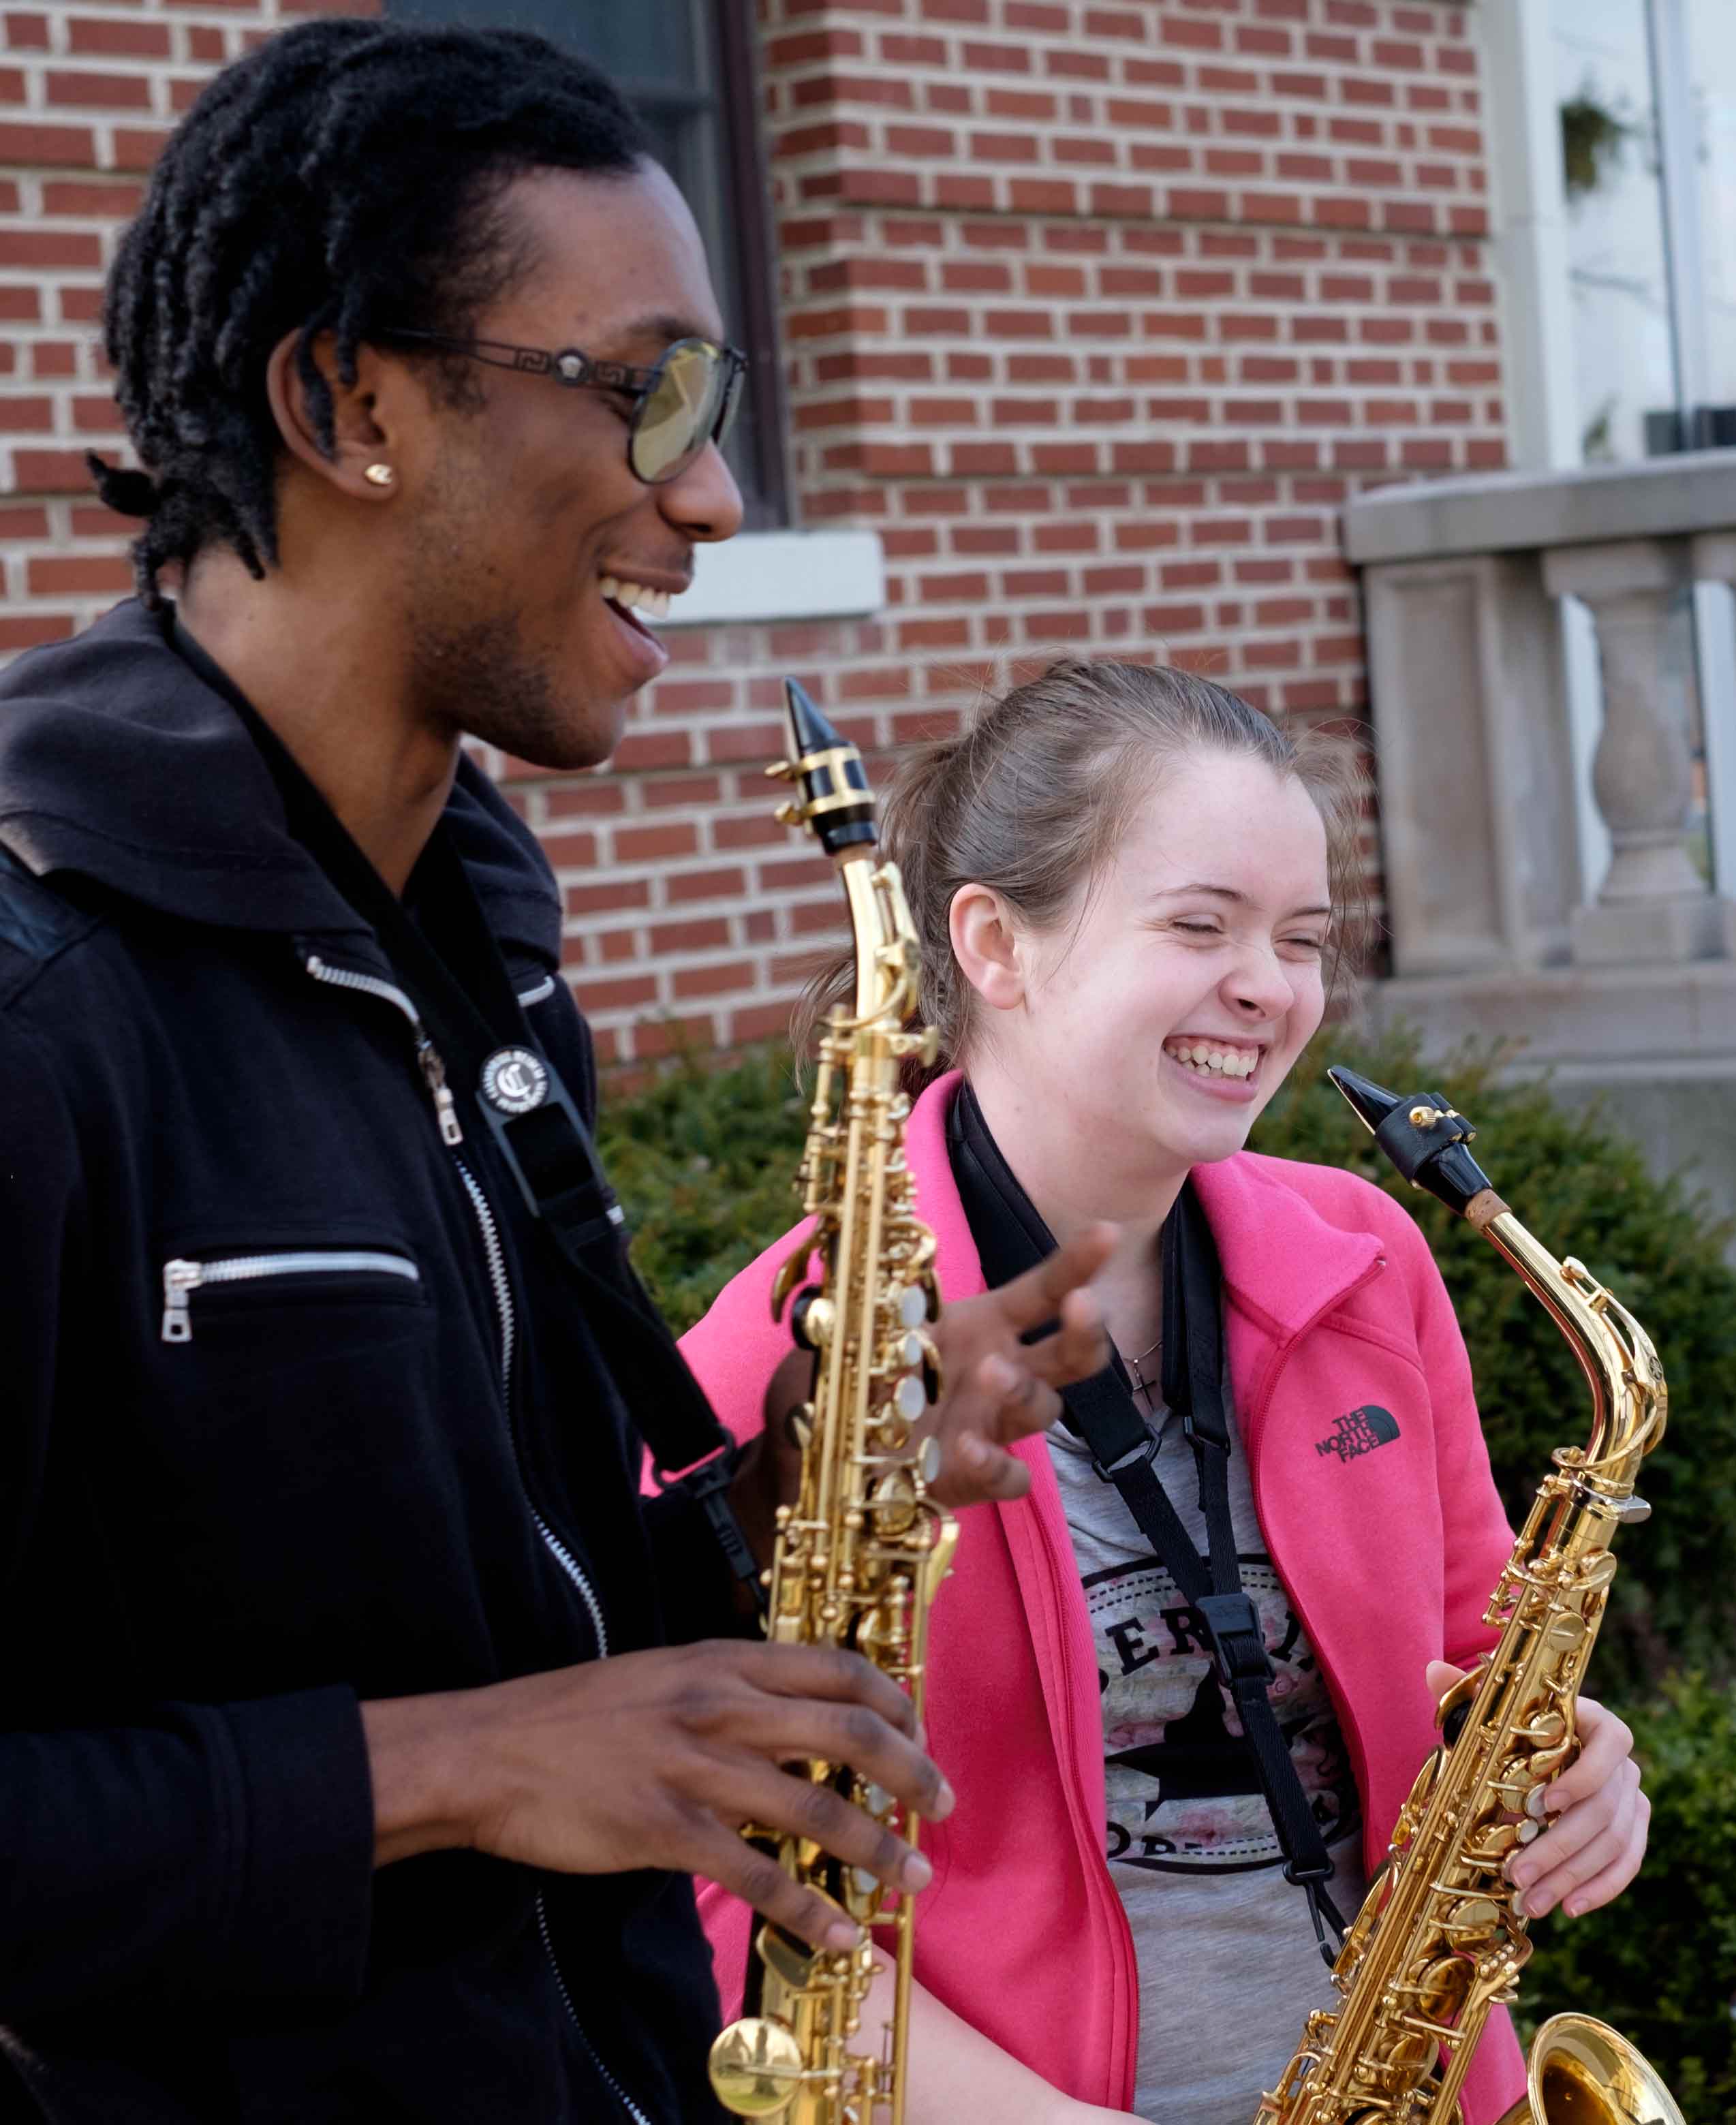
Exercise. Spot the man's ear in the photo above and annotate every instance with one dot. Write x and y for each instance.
(361, 461)
(986, 946)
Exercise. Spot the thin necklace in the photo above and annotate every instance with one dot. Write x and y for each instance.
(1141, 1385)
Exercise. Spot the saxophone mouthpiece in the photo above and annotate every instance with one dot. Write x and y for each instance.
(836, 804)
(1422, 1135)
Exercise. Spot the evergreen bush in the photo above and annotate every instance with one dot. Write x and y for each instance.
(704, 1162)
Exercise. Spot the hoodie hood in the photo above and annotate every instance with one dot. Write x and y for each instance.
(119, 764)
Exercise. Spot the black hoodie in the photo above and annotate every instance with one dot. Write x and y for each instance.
(239, 1497)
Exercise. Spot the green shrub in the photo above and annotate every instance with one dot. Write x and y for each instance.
(704, 1165)
(705, 1161)
(1660, 1964)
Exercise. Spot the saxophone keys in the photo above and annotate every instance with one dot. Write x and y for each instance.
(1472, 1922)
(1514, 1789)
(894, 1505)
(1546, 1762)
(755, 2068)
(910, 1397)
(1490, 1846)
(1442, 1987)
(1546, 1730)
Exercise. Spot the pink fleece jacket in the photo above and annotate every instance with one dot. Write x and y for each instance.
(1332, 1303)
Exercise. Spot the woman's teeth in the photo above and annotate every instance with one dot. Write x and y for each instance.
(627, 596)
(1214, 1062)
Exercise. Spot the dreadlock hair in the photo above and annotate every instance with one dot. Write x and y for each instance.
(345, 177)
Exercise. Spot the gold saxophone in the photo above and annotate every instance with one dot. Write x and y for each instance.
(1437, 1942)
(861, 1555)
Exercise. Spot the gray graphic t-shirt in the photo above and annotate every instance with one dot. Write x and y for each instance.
(1228, 1968)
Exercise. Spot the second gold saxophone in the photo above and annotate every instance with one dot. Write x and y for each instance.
(861, 1553)
(1439, 1943)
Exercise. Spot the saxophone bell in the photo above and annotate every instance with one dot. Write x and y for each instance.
(1581, 2072)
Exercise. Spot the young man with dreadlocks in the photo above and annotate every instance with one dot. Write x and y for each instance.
(326, 1375)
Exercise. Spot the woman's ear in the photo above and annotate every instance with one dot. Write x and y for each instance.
(987, 947)
(360, 462)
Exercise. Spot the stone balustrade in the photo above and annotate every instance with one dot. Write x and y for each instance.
(1533, 891)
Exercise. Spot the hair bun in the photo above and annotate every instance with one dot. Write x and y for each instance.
(130, 493)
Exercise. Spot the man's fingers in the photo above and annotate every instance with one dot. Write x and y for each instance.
(997, 1401)
(823, 1671)
(760, 1883)
(1078, 1348)
(789, 1387)
(831, 1733)
(975, 1473)
(1036, 1296)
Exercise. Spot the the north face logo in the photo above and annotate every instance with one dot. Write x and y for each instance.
(1360, 1431)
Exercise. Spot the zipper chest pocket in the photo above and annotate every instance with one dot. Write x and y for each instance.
(181, 1279)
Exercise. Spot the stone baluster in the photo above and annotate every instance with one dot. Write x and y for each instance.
(1653, 905)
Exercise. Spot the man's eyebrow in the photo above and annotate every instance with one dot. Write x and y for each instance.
(1230, 893)
(658, 329)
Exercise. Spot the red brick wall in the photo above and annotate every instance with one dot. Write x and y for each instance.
(1097, 312)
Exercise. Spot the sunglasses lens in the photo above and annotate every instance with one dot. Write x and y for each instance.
(736, 372)
(676, 417)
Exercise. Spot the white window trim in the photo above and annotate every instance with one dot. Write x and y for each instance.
(784, 575)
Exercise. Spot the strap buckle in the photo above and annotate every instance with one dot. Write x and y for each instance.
(1237, 1641)
(707, 1485)
(1144, 1448)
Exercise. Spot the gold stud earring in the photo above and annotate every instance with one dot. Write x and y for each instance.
(380, 475)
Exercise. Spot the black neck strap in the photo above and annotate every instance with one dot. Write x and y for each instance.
(546, 1147)
(1010, 1238)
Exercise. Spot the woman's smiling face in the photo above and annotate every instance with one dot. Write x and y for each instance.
(1155, 1022)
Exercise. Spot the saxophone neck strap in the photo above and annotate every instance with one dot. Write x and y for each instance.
(1101, 1412)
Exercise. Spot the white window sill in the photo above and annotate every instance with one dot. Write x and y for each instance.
(783, 575)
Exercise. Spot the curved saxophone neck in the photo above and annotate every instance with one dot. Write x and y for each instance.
(836, 806)
(1427, 1140)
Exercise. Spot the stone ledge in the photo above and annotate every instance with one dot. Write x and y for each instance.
(1523, 512)
(1584, 1024)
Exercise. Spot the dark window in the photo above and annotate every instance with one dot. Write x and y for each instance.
(687, 66)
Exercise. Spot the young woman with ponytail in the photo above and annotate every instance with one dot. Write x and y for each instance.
(1133, 890)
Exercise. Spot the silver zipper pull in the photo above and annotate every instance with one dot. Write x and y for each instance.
(446, 1108)
(180, 1279)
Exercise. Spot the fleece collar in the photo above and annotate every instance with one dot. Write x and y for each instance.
(1283, 1263)
(119, 764)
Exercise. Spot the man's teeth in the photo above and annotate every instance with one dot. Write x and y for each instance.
(627, 596)
(1214, 1062)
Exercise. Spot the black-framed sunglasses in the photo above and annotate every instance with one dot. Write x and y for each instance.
(686, 399)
